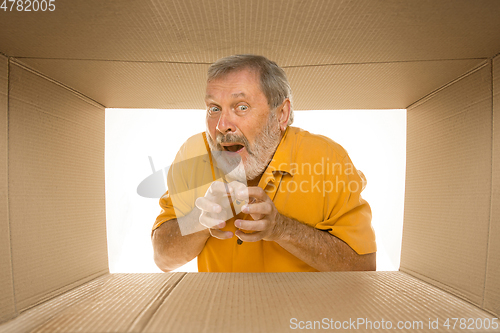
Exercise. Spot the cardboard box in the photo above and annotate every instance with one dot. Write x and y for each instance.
(60, 69)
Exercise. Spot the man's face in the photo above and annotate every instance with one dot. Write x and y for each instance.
(239, 120)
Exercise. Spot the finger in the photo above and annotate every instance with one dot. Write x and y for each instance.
(223, 201)
(252, 192)
(221, 234)
(210, 222)
(235, 187)
(258, 225)
(206, 205)
(253, 237)
(257, 208)
(218, 188)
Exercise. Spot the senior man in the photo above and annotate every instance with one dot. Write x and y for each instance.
(301, 200)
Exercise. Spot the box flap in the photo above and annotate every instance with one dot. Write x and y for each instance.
(115, 36)
(180, 85)
(448, 186)
(277, 302)
(371, 86)
(492, 287)
(121, 84)
(56, 187)
(7, 302)
(323, 32)
(111, 303)
(251, 302)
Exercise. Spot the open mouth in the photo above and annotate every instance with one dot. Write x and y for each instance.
(233, 148)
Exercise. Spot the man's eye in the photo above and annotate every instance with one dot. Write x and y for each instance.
(242, 107)
(213, 109)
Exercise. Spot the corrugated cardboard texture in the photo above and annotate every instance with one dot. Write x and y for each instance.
(448, 184)
(492, 288)
(253, 302)
(355, 34)
(131, 84)
(56, 187)
(371, 86)
(112, 303)
(7, 304)
(167, 85)
(297, 32)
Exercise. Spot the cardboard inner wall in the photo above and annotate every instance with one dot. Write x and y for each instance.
(56, 187)
(250, 302)
(492, 287)
(7, 307)
(221, 302)
(368, 86)
(110, 303)
(131, 84)
(448, 186)
(179, 85)
(339, 54)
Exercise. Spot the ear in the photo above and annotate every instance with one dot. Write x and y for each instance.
(283, 114)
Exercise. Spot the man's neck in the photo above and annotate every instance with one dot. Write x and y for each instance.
(254, 182)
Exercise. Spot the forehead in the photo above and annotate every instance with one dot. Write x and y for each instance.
(242, 82)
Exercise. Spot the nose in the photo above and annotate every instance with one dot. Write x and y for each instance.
(226, 123)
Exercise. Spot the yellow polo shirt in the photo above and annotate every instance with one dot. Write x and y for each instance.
(310, 179)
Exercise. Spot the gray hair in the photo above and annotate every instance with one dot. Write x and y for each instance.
(273, 80)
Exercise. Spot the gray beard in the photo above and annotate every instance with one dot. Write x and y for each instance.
(259, 154)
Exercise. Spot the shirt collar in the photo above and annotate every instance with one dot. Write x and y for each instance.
(283, 157)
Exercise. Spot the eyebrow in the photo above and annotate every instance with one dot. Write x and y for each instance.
(238, 95)
(235, 95)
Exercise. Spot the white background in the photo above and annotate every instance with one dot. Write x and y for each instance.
(374, 139)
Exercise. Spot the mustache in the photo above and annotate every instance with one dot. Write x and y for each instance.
(232, 138)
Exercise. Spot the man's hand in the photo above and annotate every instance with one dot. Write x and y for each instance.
(216, 209)
(267, 224)
(315, 247)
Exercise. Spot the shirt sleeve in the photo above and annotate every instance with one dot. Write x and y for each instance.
(185, 183)
(349, 215)
(188, 178)
(167, 211)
